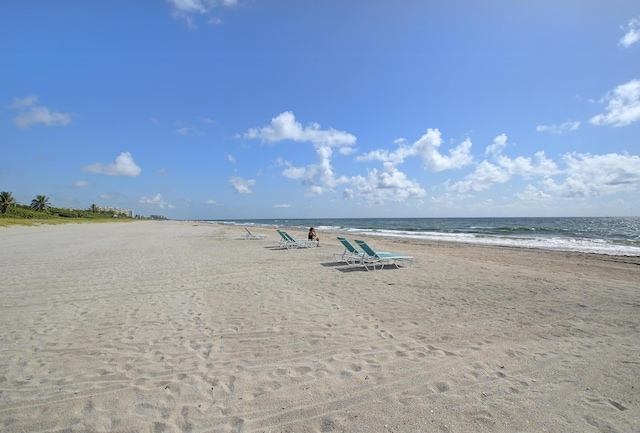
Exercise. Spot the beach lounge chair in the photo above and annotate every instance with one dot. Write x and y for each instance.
(253, 237)
(284, 240)
(351, 255)
(300, 243)
(373, 258)
(288, 242)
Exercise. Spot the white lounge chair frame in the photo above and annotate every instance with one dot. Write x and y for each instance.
(290, 243)
(373, 258)
(253, 237)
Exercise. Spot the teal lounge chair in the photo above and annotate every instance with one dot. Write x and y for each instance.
(284, 241)
(351, 255)
(373, 258)
(290, 243)
(301, 243)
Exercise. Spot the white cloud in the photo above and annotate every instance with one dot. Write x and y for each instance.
(231, 159)
(155, 201)
(498, 145)
(81, 184)
(596, 175)
(284, 205)
(427, 149)
(188, 130)
(211, 202)
(386, 184)
(123, 166)
(623, 105)
(296, 173)
(315, 191)
(395, 157)
(285, 127)
(559, 129)
(531, 193)
(189, 9)
(30, 114)
(487, 173)
(241, 185)
(320, 176)
(632, 34)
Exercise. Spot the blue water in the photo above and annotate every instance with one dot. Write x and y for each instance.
(612, 236)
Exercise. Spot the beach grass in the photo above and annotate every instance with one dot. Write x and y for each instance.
(31, 222)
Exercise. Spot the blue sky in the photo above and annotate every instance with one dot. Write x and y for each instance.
(203, 109)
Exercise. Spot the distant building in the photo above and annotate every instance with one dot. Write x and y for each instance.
(118, 211)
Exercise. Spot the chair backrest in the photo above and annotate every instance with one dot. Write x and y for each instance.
(248, 231)
(367, 249)
(348, 245)
(282, 234)
(288, 237)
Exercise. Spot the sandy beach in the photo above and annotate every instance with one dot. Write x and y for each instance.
(185, 327)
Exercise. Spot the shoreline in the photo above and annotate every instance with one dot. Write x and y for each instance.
(466, 235)
(175, 326)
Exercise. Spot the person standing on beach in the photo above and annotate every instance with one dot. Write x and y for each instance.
(313, 237)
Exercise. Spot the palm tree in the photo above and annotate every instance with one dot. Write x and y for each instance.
(40, 203)
(94, 208)
(6, 200)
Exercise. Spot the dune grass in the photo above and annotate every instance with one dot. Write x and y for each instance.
(9, 221)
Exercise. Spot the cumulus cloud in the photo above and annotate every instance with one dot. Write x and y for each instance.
(285, 127)
(567, 126)
(623, 105)
(581, 175)
(319, 176)
(426, 148)
(589, 175)
(123, 166)
(388, 184)
(502, 169)
(632, 34)
(485, 175)
(157, 200)
(428, 145)
(241, 185)
(315, 191)
(498, 145)
(531, 193)
(29, 113)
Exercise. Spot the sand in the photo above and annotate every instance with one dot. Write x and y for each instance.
(184, 327)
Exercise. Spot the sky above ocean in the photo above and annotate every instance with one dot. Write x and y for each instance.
(204, 109)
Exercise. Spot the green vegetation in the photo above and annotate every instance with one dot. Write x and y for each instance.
(6, 200)
(40, 203)
(40, 211)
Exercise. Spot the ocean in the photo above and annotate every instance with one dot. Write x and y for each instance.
(603, 235)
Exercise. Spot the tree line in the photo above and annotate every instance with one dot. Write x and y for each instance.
(41, 207)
